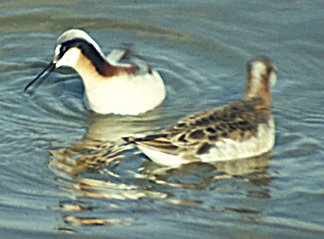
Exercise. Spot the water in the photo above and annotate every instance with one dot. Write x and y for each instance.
(56, 178)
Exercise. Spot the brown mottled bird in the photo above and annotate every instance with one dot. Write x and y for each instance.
(240, 129)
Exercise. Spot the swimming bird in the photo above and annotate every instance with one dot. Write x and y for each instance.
(240, 129)
(111, 86)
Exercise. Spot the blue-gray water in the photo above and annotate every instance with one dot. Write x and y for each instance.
(51, 186)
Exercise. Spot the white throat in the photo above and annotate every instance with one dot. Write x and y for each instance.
(70, 58)
(258, 71)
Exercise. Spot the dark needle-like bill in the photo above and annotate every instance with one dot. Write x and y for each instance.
(48, 69)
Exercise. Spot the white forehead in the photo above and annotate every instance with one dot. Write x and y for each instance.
(74, 34)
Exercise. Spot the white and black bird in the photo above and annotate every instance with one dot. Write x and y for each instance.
(111, 86)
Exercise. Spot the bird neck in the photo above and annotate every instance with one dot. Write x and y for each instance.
(94, 66)
(94, 58)
(258, 88)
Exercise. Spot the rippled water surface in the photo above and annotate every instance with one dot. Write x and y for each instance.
(60, 175)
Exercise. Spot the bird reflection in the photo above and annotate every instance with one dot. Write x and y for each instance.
(199, 175)
(83, 163)
(87, 156)
(114, 127)
(85, 170)
(87, 221)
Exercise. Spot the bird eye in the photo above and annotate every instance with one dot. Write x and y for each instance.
(62, 50)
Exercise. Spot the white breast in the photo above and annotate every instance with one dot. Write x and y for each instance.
(124, 94)
(254, 146)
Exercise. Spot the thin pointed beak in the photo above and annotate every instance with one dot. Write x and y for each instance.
(48, 69)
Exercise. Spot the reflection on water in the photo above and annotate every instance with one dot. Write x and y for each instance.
(200, 175)
(72, 220)
(114, 127)
(88, 169)
(78, 168)
(88, 155)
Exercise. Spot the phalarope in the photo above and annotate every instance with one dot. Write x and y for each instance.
(110, 86)
(240, 129)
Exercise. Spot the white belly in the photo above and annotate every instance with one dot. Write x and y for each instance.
(254, 146)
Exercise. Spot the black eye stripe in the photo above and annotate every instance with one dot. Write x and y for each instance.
(87, 49)
(70, 44)
(62, 50)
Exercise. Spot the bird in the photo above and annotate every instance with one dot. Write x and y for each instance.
(112, 86)
(239, 129)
